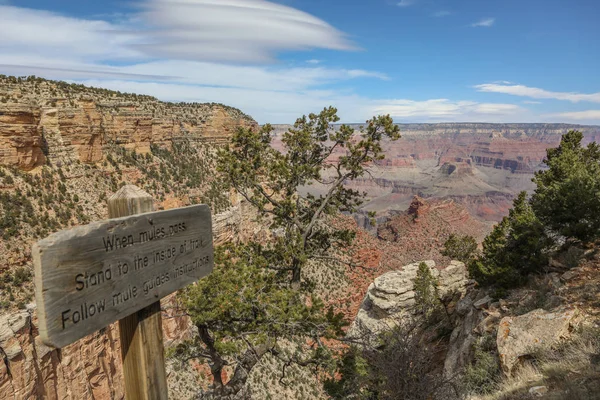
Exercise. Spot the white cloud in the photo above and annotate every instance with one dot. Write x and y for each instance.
(441, 14)
(232, 30)
(486, 23)
(174, 51)
(589, 115)
(199, 30)
(536, 93)
(286, 106)
(531, 102)
(42, 33)
(313, 61)
(406, 3)
(446, 109)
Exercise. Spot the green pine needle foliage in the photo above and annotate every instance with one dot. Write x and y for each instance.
(567, 197)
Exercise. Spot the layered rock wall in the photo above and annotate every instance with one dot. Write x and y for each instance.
(68, 123)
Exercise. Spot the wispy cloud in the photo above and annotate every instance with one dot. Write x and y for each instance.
(589, 115)
(240, 31)
(445, 109)
(537, 93)
(486, 23)
(406, 3)
(313, 61)
(531, 102)
(441, 14)
(232, 30)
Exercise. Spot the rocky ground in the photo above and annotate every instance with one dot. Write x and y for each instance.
(538, 341)
(64, 149)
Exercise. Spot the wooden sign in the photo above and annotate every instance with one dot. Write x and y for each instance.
(93, 275)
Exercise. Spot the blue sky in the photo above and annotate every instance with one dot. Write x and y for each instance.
(418, 60)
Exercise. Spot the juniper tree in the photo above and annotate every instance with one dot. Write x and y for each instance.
(461, 248)
(567, 197)
(258, 294)
(516, 247)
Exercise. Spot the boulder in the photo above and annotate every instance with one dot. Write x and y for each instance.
(483, 303)
(521, 336)
(538, 391)
(391, 296)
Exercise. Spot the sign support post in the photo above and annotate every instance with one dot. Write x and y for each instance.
(141, 335)
(90, 276)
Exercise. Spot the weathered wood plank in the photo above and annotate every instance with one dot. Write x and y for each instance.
(142, 349)
(91, 276)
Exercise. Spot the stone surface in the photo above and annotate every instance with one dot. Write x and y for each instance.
(391, 296)
(483, 303)
(67, 124)
(569, 275)
(523, 335)
(464, 334)
(538, 391)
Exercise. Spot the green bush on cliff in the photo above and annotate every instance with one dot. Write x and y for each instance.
(517, 247)
(427, 297)
(567, 196)
(566, 203)
(461, 248)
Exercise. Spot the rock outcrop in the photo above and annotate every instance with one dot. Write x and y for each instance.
(87, 369)
(391, 297)
(420, 232)
(519, 337)
(70, 123)
(21, 139)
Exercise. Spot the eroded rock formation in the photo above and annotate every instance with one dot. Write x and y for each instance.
(391, 297)
(481, 166)
(69, 123)
(522, 336)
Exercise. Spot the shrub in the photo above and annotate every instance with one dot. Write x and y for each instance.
(461, 248)
(401, 366)
(483, 374)
(566, 198)
(517, 247)
(426, 290)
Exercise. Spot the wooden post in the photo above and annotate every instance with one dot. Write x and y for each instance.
(142, 348)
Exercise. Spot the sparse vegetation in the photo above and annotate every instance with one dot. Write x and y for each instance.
(461, 248)
(483, 375)
(427, 298)
(402, 365)
(269, 180)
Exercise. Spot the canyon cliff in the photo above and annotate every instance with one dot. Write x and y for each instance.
(481, 166)
(63, 150)
(42, 119)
